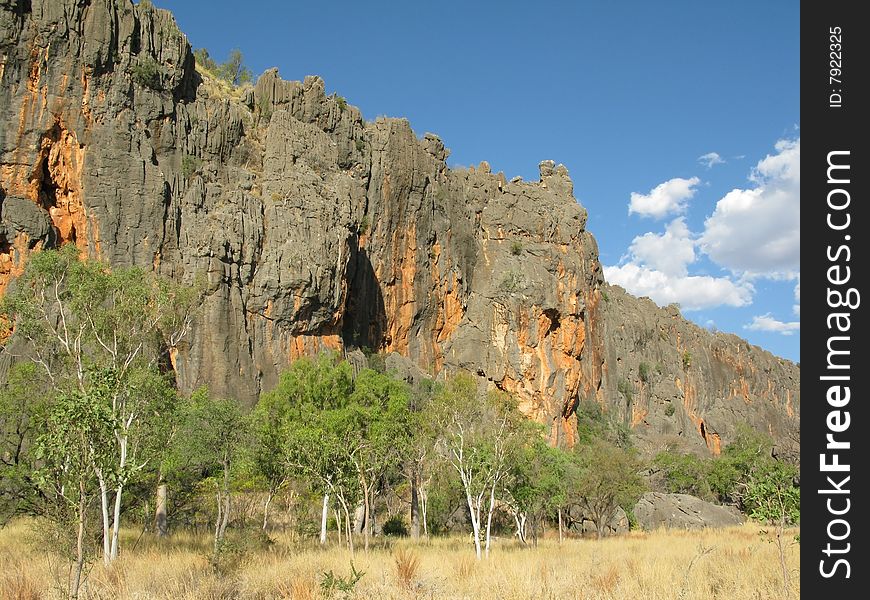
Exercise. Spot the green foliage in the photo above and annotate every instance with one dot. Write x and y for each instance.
(364, 224)
(330, 582)
(605, 296)
(538, 479)
(233, 71)
(771, 494)
(517, 248)
(511, 282)
(593, 423)
(685, 473)
(264, 107)
(644, 372)
(609, 477)
(625, 388)
(189, 165)
(342, 103)
(147, 73)
(360, 145)
(24, 399)
(670, 409)
(687, 360)
(395, 526)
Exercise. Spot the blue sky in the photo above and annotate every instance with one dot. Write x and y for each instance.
(628, 95)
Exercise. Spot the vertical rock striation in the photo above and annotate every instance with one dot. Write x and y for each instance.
(315, 229)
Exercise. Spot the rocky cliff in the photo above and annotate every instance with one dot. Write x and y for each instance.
(316, 229)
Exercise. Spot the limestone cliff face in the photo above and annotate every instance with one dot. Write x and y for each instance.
(316, 229)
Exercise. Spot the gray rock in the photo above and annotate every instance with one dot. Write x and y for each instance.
(23, 216)
(682, 511)
(317, 230)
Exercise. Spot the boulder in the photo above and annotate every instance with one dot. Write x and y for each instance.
(682, 511)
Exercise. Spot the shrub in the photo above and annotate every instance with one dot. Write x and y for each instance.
(330, 582)
(364, 224)
(407, 565)
(360, 145)
(147, 73)
(395, 526)
(516, 248)
(189, 165)
(644, 370)
(687, 359)
(264, 106)
(342, 103)
(511, 282)
(670, 410)
(624, 388)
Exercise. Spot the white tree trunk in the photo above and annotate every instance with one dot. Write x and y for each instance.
(424, 504)
(323, 516)
(104, 508)
(116, 523)
(475, 523)
(489, 519)
(161, 510)
(269, 497)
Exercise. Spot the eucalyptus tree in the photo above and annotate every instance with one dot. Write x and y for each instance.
(211, 435)
(477, 435)
(377, 432)
(80, 321)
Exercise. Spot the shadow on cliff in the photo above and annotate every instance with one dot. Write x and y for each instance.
(365, 320)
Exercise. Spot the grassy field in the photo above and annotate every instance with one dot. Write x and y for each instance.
(735, 563)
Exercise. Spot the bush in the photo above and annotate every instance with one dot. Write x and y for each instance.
(147, 73)
(264, 106)
(395, 526)
(685, 473)
(670, 409)
(360, 145)
(342, 103)
(233, 71)
(687, 359)
(624, 388)
(516, 248)
(644, 370)
(189, 165)
(511, 282)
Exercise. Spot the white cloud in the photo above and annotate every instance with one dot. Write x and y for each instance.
(767, 323)
(670, 252)
(692, 292)
(756, 232)
(670, 197)
(710, 159)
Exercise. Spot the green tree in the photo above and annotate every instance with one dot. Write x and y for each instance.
(419, 464)
(476, 437)
(71, 449)
(209, 441)
(377, 432)
(609, 478)
(307, 402)
(537, 485)
(773, 498)
(84, 324)
(685, 473)
(233, 71)
(732, 471)
(24, 398)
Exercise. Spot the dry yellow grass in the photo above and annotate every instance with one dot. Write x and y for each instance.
(734, 563)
